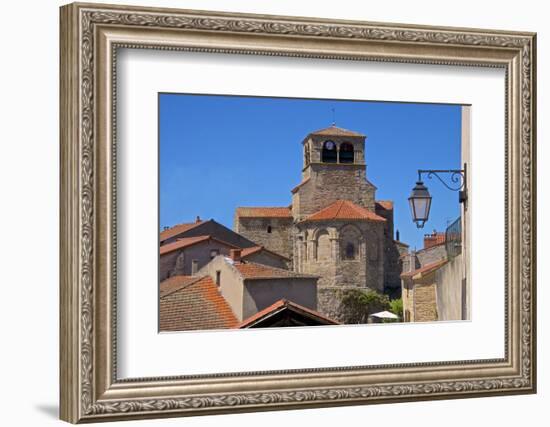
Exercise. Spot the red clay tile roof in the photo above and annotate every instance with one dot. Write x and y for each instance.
(305, 181)
(194, 305)
(256, 249)
(336, 131)
(344, 209)
(252, 271)
(385, 204)
(175, 283)
(264, 212)
(178, 229)
(284, 304)
(190, 241)
(428, 268)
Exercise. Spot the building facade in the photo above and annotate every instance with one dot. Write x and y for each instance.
(334, 228)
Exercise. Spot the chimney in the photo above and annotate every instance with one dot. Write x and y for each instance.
(198, 219)
(397, 235)
(165, 228)
(194, 267)
(235, 255)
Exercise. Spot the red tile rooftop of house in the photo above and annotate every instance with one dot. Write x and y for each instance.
(433, 239)
(178, 229)
(385, 204)
(425, 269)
(344, 209)
(264, 212)
(185, 242)
(336, 131)
(195, 304)
(251, 270)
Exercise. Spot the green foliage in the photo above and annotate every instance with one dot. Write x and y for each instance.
(396, 307)
(358, 304)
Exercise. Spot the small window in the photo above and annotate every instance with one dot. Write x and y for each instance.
(214, 253)
(218, 277)
(349, 252)
(329, 153)
(269, 229)
(346, 153)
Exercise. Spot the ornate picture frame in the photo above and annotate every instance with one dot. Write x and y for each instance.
(90, 37)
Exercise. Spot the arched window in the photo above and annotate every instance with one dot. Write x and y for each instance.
(350, 242)
(306, 155)
(323, 246)
(349, 252)
(346, 153)
(329, 153)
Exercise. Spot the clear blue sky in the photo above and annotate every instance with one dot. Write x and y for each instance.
(220, 152)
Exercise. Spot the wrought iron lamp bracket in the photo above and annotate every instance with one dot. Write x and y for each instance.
(457, 180)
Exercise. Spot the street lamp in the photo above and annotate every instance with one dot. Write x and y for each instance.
(420, 200)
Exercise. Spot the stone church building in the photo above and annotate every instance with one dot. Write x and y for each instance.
(334, 228)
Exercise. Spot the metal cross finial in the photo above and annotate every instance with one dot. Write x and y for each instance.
(333, 116)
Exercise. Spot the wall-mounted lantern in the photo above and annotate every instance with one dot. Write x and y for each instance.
(420, 200)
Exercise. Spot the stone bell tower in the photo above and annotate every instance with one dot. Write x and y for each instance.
(334, 168)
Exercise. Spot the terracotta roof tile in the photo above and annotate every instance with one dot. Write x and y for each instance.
(264, 212)
(428, 268)
(336, 131)
(344, 209)
(284, 304)
(175, 283)
(385, 204)
(190, 241)
(178, 229)
(252, 270)
(194, 306)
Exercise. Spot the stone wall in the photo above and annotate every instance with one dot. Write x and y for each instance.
(431, 255)
(323, 254)
(271, 233)
(425, 307)
(329, 182)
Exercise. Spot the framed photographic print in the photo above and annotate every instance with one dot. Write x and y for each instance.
(266, 212)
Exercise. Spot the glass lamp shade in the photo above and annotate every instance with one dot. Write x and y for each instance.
(420, 202)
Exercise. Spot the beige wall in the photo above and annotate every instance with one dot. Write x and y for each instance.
(451, 300)
(248, 297)
(231, 286)
(466, 221)
(259, 294)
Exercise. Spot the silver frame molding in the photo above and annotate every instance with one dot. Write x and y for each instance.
(90, 36)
